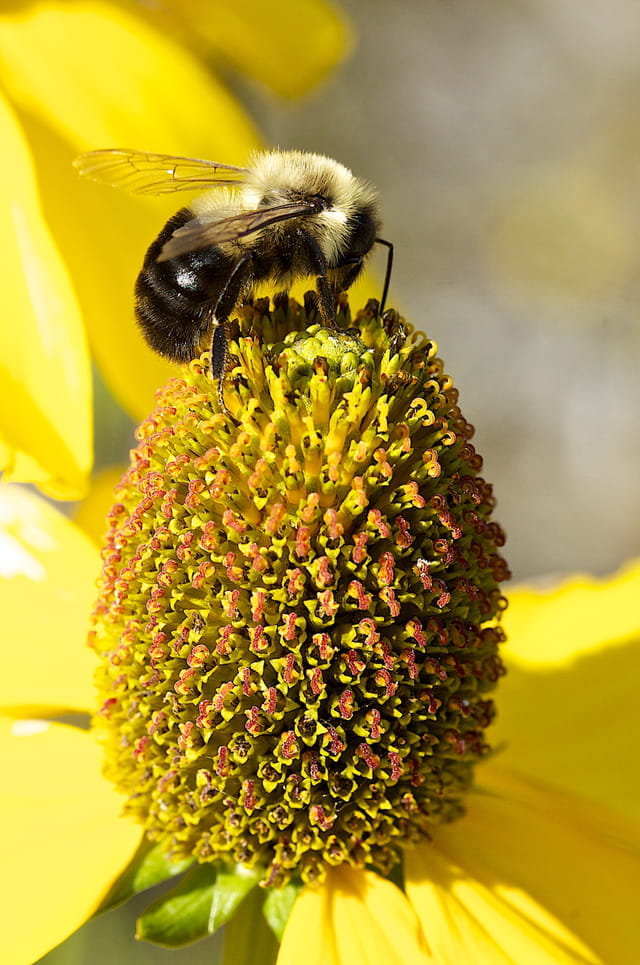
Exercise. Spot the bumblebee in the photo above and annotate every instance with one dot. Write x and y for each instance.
(289, 215)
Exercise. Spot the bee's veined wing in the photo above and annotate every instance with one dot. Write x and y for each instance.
(202, 232)
(144, 173)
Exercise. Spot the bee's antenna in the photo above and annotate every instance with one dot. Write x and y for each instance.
(387, 277)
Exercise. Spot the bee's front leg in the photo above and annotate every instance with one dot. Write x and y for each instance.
(318, 267)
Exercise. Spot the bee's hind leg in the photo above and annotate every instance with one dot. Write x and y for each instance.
(219, 349)
(239, 279)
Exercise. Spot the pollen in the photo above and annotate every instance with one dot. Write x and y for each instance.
(298, 613)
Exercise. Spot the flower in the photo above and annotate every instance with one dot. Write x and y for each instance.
(297, 610)
(64, 242)
(512, 880)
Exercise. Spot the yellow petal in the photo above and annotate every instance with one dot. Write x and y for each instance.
(143, 91)
(45, 381)
(63, 840)
(528, 875)
(575, 724)
(48, 569)
(288, 45)
(91, 513)
(353, 918)
(579, 615)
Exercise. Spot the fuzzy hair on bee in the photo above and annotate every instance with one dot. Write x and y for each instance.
(289, 215)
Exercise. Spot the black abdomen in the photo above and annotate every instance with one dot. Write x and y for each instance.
(175, 299)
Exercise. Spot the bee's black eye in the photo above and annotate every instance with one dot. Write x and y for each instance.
(363, 233)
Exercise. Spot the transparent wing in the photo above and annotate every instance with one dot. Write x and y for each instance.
(144, 173)
(202, 232)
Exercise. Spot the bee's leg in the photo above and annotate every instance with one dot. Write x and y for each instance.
(318, 263)
(219, 349)
(281, 299)
(350, 269)
(326, 301)
(240, 278)
(387, 274)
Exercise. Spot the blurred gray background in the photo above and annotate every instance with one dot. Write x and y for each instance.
(504, 138)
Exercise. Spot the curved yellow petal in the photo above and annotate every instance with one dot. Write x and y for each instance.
(45, 379)
(575, 724)
(352, 918)
(47, 587)
(63, 841)
(287, 45)
(528, 875)
(91, 513)
(548, 628)
(143, 91)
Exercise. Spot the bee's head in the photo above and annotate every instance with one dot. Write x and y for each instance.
(349, 220)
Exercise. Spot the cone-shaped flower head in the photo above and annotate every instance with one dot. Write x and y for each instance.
(298, 608)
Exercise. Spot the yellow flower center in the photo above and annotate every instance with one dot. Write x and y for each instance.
(297, 613)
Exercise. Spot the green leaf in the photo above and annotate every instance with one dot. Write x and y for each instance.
(232, 884)
(182, 915)
(204, 900)
(277, 906)
(148, 867)
(247, 938)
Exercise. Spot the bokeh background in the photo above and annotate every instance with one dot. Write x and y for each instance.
(504, 138)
